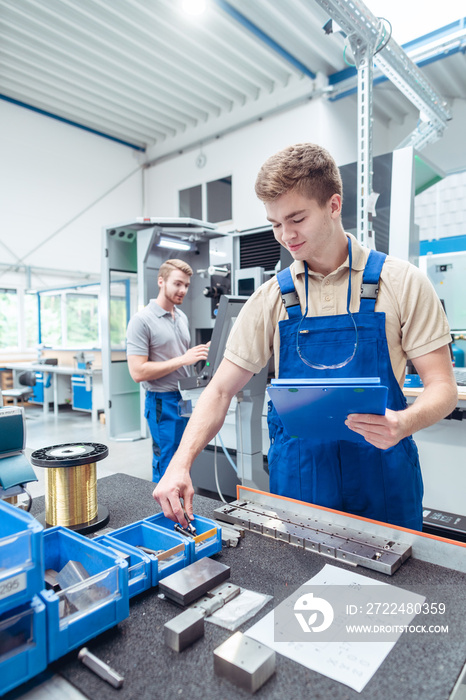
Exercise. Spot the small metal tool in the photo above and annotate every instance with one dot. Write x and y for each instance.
(183, 530)
(100, 668)
(190, 527)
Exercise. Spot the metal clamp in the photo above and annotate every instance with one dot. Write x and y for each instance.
(369, 290)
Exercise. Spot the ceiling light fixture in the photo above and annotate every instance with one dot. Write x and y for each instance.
(174, 245)
(194, 7)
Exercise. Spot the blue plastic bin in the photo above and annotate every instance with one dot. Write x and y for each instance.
(21, 560)
(176, 552)
(23, 649)
(82, 611)
(139, 564)
(208, 540)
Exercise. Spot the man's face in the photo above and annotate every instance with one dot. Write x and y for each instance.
(175, 287)
(300, 224)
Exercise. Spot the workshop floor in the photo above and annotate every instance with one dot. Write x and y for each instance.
(129, 457)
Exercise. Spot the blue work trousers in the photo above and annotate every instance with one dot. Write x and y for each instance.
(166, 427)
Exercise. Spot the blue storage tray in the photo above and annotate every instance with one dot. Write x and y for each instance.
(23, 649)
(84, 610)
(21, 557)
(139, 564)
(176, 552)
(208, 540)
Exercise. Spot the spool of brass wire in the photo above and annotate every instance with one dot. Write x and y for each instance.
(71, 485)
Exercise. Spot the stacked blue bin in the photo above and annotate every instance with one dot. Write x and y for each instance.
(23, 649)
(84, 609)
(208, 539)
(139, 563)
(169, 552)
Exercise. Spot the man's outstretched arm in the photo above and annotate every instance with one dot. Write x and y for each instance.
(205, 422)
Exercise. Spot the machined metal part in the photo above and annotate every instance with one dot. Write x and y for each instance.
(50, 579)
(184, 629)
(230, 537)
(187, 585)
(232, 526)
(342, 543)
(100, 668)
(245, 662)
(217, 598)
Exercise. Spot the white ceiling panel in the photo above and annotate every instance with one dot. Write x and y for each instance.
(145, 73)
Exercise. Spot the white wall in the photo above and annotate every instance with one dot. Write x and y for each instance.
(49, 173)
(242, 152)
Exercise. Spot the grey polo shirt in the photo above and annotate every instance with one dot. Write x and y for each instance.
(155, 333)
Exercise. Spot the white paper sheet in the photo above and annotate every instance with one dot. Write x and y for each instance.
(351, 663)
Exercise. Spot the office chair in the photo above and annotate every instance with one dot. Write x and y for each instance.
(27, 381)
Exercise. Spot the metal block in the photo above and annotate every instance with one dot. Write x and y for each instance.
(245, 662)
(192, 582)
(50, 578)
(184, 629)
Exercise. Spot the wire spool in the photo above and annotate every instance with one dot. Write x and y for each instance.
(71, 485)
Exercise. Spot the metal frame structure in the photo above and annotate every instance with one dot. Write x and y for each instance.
(364, 31)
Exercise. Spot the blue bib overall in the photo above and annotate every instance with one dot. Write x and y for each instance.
(354, 477)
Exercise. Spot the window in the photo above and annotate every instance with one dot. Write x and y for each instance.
(218, 203)
(69, 318)
(50, 320)
(8, 319)
(123, 297)
(190, 202)
(82, 320)
(219, 200)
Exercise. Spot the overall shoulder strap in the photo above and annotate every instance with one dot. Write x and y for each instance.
(370, 280)
(290, 297)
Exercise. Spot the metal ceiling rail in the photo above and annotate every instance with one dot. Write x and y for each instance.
(365, 33)
(356, 19)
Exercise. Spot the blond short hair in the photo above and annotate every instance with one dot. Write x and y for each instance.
(168, 266)
(304, 167)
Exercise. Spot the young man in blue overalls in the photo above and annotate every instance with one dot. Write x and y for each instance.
(340, 310)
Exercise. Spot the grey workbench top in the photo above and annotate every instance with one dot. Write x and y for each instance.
(418, 667)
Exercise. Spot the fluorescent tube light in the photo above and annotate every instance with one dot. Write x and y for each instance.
(172, 244)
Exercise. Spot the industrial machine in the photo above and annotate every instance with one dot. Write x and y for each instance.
(132, 255)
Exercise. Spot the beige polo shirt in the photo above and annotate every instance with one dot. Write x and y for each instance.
(415, 322)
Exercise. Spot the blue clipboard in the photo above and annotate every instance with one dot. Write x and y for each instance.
(316, 409)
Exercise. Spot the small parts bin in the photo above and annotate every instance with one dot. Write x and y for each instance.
(139, 563)
(172, 549)
(21, 565)
(23, 650)
(208, 539)
(95, 597)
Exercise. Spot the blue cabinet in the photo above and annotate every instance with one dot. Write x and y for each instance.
(81, 389)
(38, 396)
